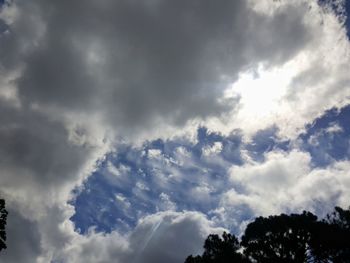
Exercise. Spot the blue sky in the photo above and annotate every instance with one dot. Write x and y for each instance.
(126, 126)
(137, 181)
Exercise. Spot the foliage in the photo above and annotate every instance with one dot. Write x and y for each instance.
(332, 240)
(218, 249)
(285, 239)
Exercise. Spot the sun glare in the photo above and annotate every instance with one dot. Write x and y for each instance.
(261, 92)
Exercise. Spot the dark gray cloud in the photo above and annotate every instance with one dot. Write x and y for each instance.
(38, 165)
(141, 62)
(36, 151)
(23, 240)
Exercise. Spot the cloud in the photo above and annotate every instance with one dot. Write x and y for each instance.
(38, 159)
(23, 239)
(276, 173)
(77, 76)
(39, 165)
(166, 236)
(285, 95)
(130, 64)
(287, 182)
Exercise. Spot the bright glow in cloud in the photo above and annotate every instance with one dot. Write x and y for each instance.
(261, 92)
(262, 96)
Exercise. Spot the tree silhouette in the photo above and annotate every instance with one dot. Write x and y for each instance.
(331, 240)
(284, 239)
(219, 250)
(3, 218)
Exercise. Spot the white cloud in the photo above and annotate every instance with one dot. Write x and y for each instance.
(295, 93)
(165, 203)
(214, 149)
(165, 236)
(275, 174)
(122, 200)
(286, 182)
(71, 81)
(154, 153)
(334, 128)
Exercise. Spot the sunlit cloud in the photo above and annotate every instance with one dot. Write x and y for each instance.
(125, 126)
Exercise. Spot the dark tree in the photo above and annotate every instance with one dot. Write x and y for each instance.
(196, 259)
(220, 250)
(283, 238)
(3, 218)
(331, 238)
(340, 217)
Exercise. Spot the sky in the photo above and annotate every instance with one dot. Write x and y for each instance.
(131, 130)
